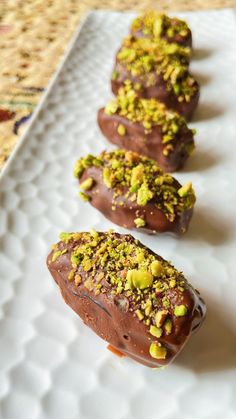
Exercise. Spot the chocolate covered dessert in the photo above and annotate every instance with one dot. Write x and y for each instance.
(153, 24)
(156, 74)
(147, 127)
(133, 192)
(127, 294)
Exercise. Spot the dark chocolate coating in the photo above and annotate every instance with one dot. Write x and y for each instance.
(115, 323)
(158, 91)
(101, 197)
(148, 144)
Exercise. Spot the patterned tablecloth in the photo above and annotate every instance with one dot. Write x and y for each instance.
(33, 37)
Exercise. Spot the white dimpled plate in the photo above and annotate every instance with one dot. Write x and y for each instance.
(51, 365)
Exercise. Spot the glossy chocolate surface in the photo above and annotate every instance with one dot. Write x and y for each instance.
(147, 143)
(110, 316)
(157, 90)
(101, 197)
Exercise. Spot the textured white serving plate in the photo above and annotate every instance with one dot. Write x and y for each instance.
(51, 365)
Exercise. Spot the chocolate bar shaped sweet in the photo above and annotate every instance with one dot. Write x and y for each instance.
(153, 24)
(127, 294)
(147, 127)
(156, 74)
(133, 192)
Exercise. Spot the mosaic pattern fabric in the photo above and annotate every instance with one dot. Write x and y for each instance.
(33, 38)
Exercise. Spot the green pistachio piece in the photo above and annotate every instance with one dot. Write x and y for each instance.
(160, 317)
(94, 233)
(137, 175)
(177, 89)
(127, 54)
(155, 331)
(166, 302)
(84, 196)
(65, 237)
(106, 174)
(144, 195)
(57, 254)
(158, 26)
(139, 279)
(139, 314)
(168, 326)
(78, 169)
(148, 307)
(183, 33)
(71, 275)
(111, 107)
(140, 257)
(139, 222)
(121, 130)
(87, 184)
(157, 351)
(175, 128)
(156, 268)
(89, 284)
(171, 48)
(147, 124)
(87, 265)
(172, 283)
(185, 189)
(78, 279)
(166, 138)
(180, 310)
(114, 75)
(170, 32)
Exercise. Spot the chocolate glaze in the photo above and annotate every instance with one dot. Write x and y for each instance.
(101, 198)
(114, 322)
(158, 91)
(148, 144)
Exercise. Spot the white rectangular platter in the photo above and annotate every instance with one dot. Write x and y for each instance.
(51, 365)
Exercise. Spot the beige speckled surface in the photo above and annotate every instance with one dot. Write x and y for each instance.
(33, 37)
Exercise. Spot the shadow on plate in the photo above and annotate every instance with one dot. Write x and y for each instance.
(200, 160)
(208, 226)
(206, 111)
(213, 347)
(203, 79)
(202, 53)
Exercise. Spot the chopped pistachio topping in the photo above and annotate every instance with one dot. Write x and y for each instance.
(156, 24)
(160, 317)
(84, 196)
(87, 184)
(140, 180)
(78, 279)
(180, 311)
(157, 351)
(121, 266)
(139, 314)
(139, 222)
(121, 130)
(168, 326)
(156, 268)
(107, 177)
(147, 59)
(155, 331)
(58, 253)
(148, 112)
(144, 194)
(83, 164)
(139, 279)
(184, 190)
